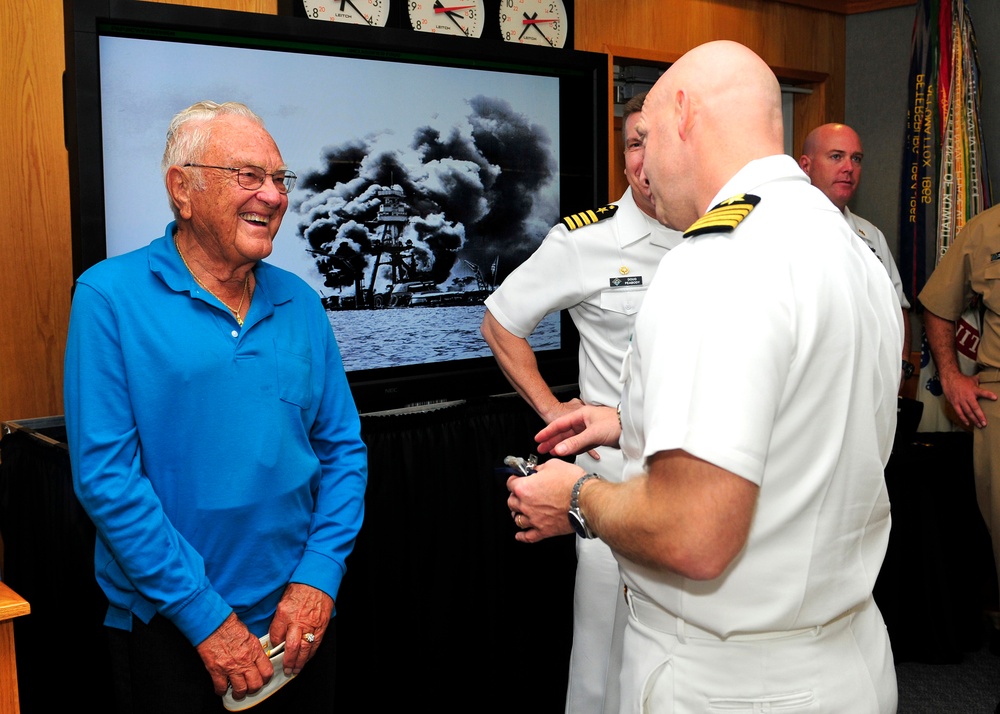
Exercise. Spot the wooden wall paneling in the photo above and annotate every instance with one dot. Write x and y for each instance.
(267, 7)
(785, 36)
(809, 109)
(35, 257)
(850, 7)
(857, 6)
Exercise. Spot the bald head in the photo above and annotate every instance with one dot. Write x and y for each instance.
(831, 157)
(716, 109)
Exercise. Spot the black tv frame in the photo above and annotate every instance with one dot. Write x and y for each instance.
(583, 158)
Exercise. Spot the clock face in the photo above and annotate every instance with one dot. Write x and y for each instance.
(357, 12)
(534, 22)
(447, 17)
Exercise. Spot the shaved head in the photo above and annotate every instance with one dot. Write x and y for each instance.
(716, 109)
(831, 157)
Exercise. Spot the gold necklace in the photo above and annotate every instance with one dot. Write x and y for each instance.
(246, 287)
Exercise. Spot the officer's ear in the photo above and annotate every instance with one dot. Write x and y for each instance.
(805, 163)
(682, 110)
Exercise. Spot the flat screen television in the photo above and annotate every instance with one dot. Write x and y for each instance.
(429, 168)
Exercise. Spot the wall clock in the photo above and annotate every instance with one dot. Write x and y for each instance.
(357, 12)
(464, 18)
(534, 22)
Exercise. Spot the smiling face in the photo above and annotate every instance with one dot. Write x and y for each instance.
(831, 158)
(634, 153)
(234, 225)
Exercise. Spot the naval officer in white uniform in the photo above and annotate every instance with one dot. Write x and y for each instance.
(753, 517)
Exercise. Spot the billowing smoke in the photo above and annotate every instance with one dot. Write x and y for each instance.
(468, 197)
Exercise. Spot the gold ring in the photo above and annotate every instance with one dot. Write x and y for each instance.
(517, 520)
(309, 637)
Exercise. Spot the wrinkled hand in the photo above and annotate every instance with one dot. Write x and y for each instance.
(539, 503)
(303, 609)
(963, 393)
(580, 430)
(233, 655)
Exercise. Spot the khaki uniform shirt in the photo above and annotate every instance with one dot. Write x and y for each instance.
(971, 267)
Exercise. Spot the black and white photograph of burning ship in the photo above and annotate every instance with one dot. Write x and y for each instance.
(395, 278)
(434, 226)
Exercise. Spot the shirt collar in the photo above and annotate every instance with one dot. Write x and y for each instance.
(757, 173)
(634, 225)
(165, 261)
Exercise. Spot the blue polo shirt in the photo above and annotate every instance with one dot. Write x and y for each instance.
(218, 462)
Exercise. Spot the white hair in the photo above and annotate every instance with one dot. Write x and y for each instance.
(190, 131)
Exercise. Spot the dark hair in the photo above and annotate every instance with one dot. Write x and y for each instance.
(632, 106)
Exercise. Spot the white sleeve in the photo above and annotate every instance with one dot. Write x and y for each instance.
(548, 281)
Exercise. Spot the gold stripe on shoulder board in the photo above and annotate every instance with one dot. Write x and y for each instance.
(724, 217)
(586, 218)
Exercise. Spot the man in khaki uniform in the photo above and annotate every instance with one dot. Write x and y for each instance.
(971, 267)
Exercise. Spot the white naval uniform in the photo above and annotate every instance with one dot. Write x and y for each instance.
(875, 240)
(577, 271)
(787, 377)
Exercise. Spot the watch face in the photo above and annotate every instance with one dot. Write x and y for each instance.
(357, 12)
(577, 524)
(534, 22)
(448, 17)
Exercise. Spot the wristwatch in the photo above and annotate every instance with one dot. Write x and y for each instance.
(908, 369)
(576, 518)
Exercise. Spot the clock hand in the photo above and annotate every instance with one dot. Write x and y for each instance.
(533, 22)
(355, 8)
(527, 23)
(452, 15)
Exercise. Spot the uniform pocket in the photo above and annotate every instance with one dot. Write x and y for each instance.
(625, 301)
(784, 703)
(658, 689)
(991, 293)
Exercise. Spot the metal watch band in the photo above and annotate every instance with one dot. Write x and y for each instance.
(576, 518)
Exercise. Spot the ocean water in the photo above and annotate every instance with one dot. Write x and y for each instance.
(373, 339)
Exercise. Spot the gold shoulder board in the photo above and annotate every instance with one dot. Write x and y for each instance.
(585, 218)
(724, 217)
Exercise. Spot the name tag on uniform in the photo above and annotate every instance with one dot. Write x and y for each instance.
(629, 281)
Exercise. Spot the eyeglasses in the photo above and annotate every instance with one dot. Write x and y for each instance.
(252, 177)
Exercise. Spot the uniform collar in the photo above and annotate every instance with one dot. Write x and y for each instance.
(634, 225)
(758, 172)
(850, 219)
